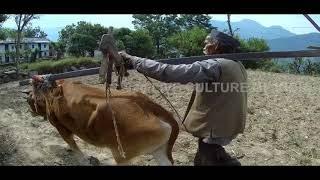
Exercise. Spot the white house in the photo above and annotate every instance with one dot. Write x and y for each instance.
(8, 45)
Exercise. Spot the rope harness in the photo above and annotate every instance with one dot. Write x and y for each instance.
(108, 94)
(170, 104)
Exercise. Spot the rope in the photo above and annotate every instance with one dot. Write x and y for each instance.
(172, 107)
(108, 94)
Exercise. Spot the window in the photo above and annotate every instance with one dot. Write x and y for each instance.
(44, 46)
(45, 53)
(32, 46)
(20, 46)
(0, 58)
(12, 47)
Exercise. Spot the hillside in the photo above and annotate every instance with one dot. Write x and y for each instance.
(249, 28)
(278, 38)
(294, 43)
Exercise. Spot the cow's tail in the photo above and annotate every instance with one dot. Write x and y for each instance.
(173, 137)
(165, 115)
(175, 128)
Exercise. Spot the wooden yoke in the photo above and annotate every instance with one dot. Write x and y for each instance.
(110, 57)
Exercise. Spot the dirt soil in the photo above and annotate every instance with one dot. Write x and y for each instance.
(283, 125)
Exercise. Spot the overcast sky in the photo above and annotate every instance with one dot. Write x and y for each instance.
(295, 23)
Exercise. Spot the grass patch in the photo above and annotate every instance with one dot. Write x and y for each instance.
(58, 66)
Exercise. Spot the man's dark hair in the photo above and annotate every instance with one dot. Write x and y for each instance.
(226, 43)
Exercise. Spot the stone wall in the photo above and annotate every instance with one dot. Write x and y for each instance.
(10, 74)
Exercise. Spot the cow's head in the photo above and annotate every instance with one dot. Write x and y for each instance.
(37, 105)
(36, 99)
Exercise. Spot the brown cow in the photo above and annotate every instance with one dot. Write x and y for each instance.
(74, 108)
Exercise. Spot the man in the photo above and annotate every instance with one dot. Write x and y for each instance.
(215, 114)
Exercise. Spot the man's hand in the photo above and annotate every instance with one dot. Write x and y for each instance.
(128, 59)
(124, 55)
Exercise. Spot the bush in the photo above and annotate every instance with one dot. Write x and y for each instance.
(271, 66)
(255, 45)
(296, 66)
(317, 67)
(24, 66)
(49, 66)
(311, 68)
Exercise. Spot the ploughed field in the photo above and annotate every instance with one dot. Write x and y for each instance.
(283, 125)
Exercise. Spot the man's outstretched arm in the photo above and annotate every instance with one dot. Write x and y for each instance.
(197, 72)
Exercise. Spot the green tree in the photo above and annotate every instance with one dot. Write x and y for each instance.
(139, 43)
(7, 33)
(36, 32)
(22, 20)
(188, 21)
(72, 36)
(2, 34)
(59, 47)
(29, 32)
(66, 33)
(34, 54)
(11, 54)
(3, 18)
(160, 26)
(255, 45)
(120, 45)
(189, 42)
(119, 34)
(27, 53)
(81, 44)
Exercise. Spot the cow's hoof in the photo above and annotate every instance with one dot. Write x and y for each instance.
(119, 87)
(94, 161)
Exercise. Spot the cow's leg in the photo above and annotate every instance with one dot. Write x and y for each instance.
(68, 138)
(161, 156)
(161, 153)
(83, 159)
(65, 133)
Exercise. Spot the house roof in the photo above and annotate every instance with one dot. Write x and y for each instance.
(25, 40)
